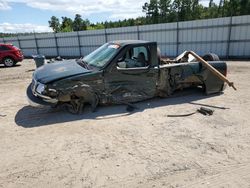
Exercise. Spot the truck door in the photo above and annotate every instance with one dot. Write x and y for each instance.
(132, 76)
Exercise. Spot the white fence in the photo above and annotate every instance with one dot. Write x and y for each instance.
(227, 37)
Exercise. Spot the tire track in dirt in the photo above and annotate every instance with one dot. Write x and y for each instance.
(228, 175)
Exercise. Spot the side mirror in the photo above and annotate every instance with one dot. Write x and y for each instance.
(120, 59)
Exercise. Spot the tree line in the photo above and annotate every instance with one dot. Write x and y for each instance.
(159, 11)
(2, 35)
(156, 11)
(162, 11)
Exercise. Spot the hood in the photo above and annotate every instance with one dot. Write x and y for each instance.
(58, 70)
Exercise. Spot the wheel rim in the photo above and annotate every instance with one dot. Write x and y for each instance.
(8, 62)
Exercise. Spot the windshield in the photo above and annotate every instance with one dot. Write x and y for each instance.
(101, 55)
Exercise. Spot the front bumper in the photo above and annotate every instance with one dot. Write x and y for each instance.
(19, 58)
(37, 101)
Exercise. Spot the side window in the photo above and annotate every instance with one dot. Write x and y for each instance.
(141, 49)
(3, 48)
(135, 57)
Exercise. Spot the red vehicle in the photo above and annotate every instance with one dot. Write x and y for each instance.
(10, 55)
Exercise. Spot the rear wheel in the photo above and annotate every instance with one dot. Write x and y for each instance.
(8, 62)
(211, 57)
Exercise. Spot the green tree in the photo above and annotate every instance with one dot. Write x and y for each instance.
(196, 9)
(185, 9)
(67, 24)
(79, 24)
(230, 8)
(54, 24)
(152, 11)
(244, 7)
(95, 26)
(164, 9)
(211, 3)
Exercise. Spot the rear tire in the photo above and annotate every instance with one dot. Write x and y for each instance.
(9, 62)
(211, 57)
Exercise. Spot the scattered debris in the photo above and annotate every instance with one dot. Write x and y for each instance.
(30, 70)
(207, 105)
(207, 111)
(56, 59)
(202, 110)
(59, 58)
(182, 115)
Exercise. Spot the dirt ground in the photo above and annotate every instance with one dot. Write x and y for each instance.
(113, 148)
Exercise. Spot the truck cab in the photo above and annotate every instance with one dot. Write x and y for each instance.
(133, 73)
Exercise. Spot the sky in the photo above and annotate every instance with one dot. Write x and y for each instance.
(33, 15)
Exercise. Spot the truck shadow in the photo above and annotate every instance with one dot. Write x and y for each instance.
(29, 117)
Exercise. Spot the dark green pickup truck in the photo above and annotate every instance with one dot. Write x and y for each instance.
(120, 72)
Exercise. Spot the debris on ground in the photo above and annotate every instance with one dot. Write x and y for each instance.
(202, 110)
(208, 105)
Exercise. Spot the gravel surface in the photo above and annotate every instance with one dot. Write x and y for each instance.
(112, 148)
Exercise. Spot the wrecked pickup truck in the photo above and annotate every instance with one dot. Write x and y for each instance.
(121, 72)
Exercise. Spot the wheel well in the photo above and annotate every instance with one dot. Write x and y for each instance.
(10, 58)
